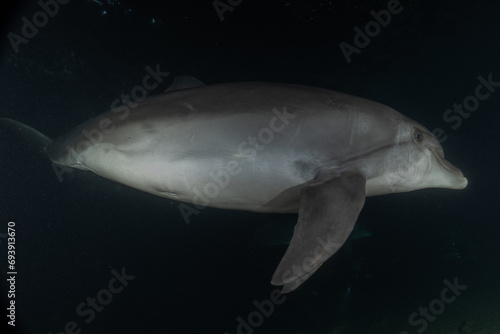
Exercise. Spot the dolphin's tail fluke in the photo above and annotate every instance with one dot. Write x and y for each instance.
(36, 137)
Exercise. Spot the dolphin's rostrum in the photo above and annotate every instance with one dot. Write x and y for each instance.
(266, 148)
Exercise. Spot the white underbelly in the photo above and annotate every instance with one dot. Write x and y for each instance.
(223, 181)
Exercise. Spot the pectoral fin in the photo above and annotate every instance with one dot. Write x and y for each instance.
(329, 208)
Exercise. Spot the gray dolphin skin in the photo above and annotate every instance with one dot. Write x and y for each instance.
(262, 147)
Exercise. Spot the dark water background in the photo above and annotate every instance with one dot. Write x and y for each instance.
(199, 278)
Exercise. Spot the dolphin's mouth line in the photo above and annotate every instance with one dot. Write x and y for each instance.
(446, 164)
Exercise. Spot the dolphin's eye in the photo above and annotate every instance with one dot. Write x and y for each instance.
(418, 135)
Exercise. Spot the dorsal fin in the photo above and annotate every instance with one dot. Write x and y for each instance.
(184, 82)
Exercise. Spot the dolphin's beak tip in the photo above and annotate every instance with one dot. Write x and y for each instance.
(461, 183)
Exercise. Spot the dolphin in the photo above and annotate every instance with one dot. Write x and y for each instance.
(279, 234)
(262, 147)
